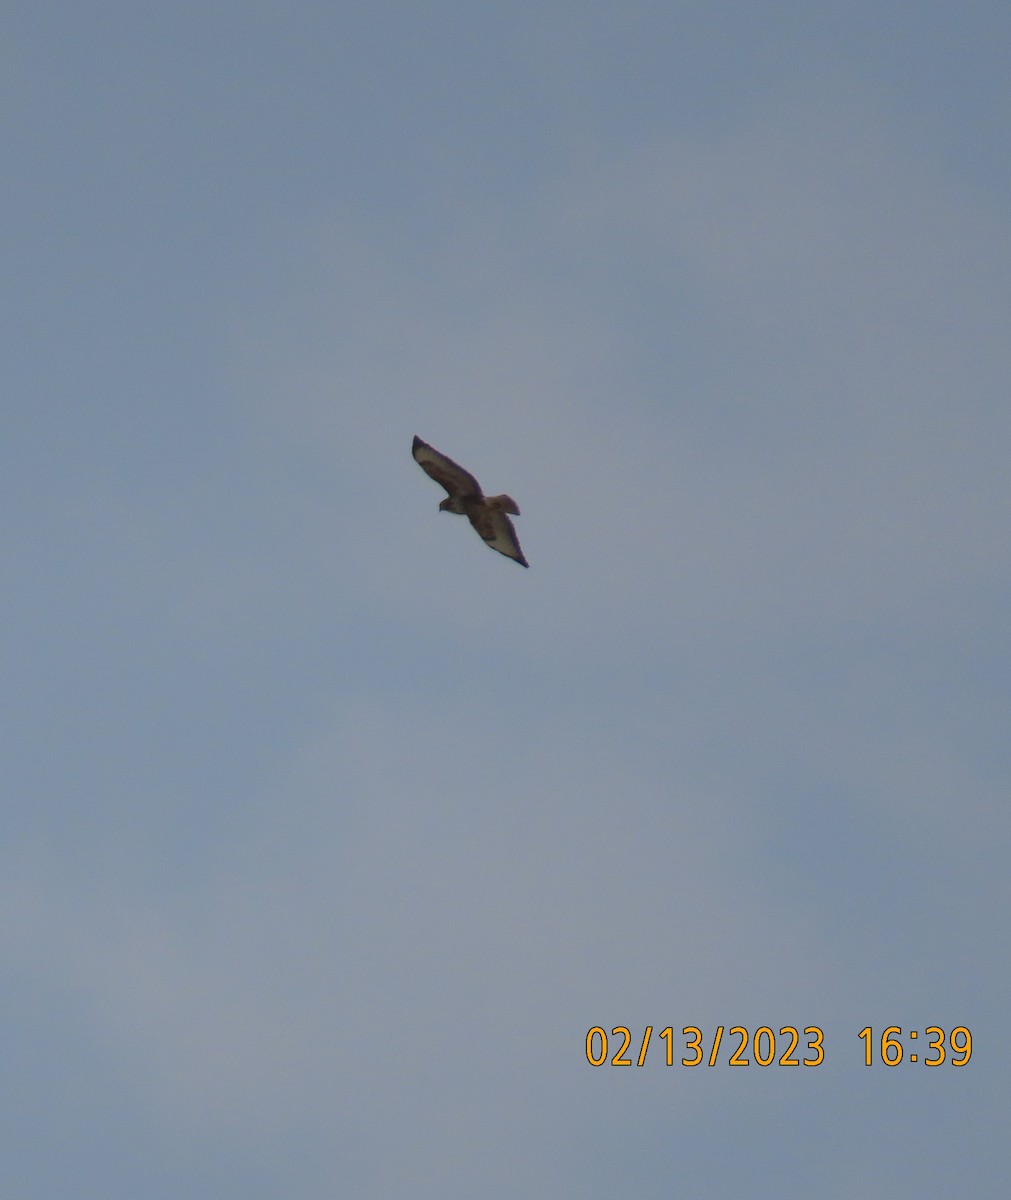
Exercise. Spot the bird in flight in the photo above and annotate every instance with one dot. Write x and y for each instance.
(486, 513)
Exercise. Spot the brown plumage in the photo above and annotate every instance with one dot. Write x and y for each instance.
(486, 513)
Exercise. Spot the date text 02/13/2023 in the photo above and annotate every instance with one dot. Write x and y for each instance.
(791, 1047)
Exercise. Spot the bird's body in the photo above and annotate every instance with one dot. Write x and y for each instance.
(486, 513)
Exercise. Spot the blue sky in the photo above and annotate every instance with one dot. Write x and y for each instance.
(329, 832)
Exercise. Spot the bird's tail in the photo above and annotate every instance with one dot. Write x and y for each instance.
(503, 504)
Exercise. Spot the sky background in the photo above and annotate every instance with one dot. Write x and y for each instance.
(329, 834)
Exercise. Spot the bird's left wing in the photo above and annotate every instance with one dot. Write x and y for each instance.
(444, 471)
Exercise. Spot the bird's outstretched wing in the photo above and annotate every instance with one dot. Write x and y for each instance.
(497, 530)
(457, 482)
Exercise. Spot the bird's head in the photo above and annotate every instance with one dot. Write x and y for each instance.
(449, 505)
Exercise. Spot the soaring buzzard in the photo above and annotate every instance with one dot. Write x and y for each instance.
(486, 513)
